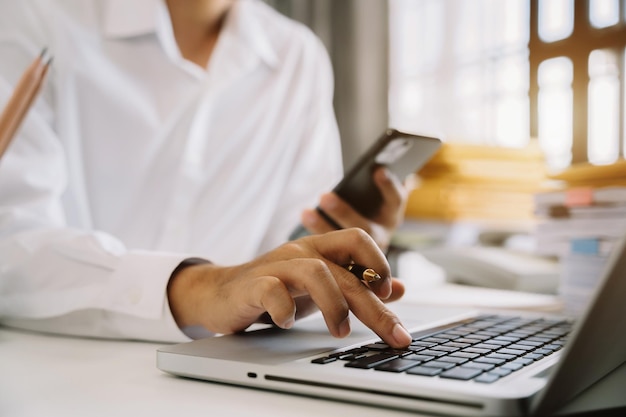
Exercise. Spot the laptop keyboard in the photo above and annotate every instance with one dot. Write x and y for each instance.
(483, 349)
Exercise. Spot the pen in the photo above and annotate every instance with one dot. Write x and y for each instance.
(364, 274)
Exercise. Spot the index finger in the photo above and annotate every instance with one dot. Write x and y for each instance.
(368, 308)
(354, 245)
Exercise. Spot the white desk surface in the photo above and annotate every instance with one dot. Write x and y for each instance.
(47, 375)
(62, 376)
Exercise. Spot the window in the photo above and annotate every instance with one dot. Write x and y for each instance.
(461, 68)
(500, 72)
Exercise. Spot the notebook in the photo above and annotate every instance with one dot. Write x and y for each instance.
(461, 363)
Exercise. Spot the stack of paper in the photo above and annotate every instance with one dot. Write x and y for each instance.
(580, 220)
(475, 182)
(580, 224)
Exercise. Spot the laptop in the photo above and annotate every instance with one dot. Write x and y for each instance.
(461, 363)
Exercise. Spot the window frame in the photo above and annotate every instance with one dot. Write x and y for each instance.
(577, 47)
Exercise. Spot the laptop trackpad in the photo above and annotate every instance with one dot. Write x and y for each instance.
(307, 338)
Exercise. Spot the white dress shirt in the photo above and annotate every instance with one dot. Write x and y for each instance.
(134, 159)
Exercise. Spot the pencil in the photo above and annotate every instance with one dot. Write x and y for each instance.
(22, 99)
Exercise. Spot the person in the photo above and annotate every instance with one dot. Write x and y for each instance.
(151, 190)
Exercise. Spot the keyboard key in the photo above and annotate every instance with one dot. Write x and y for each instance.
(443, 348)
(435, 340)
(399, 352)
(457, 344)
(415, 348)
(371, 361)
(479, 365)
(478, 336)
(487, 333)
(439, 364)
(523, 361)
(529, 343)
(512, 366)
(516, 334)
(353, 357)
(533, 356)
(348, 353)
(477, 350)
(508, 351)
(468, 355)
(487, 378)
(467, 340)
(507, 338)
(450, 336)
(324, 360)
(431, 352)
(423, 344)
(452, 359)
(453, 334)
(424, 371)
(504, 356)
(419, 357)
(396, 365)
(377, 346)
(499, 343)
(521, 347)
(461, 373)
(541, 339)
(493, 361)
(552, 346)
(490, 346)
(501, 371)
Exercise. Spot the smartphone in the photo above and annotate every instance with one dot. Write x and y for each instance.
(402, 153)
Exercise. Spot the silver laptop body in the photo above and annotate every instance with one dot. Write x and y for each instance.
(280, 360)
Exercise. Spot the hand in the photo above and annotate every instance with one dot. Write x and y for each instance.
(381, 227)
(287, 283)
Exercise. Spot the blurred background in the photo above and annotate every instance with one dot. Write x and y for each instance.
(480, 71)
(529, 190)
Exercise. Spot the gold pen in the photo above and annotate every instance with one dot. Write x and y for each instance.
(364, 274)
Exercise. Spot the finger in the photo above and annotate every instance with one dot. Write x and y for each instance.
(397, 291)
(312, 277)
(394, 195)
(354, 245)
(374, 314)
(269, 294)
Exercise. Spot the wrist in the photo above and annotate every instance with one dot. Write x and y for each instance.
(179, 289)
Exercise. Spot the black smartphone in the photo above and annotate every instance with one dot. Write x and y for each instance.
(402, 153)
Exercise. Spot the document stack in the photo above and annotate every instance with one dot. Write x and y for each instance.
(476, 182)
(580, 223)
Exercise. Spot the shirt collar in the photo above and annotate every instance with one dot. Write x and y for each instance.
(245, 23)
(127, 19)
